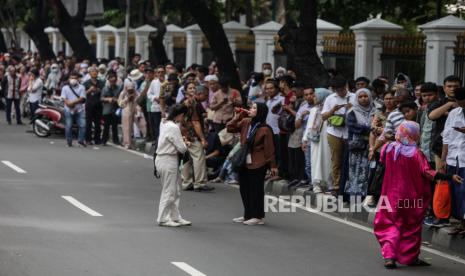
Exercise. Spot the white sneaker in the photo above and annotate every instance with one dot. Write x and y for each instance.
(239, 219)
(169, 223)
(317, 189)
(184, 222)
(254, 221)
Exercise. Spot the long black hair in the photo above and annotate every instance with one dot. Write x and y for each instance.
(262, 112)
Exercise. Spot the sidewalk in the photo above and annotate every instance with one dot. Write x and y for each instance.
(432, 237)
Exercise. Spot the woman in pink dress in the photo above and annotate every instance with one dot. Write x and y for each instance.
(404, 198)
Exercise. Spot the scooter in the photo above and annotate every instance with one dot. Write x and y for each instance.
(49, 117)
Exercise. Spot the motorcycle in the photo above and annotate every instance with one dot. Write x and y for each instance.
(49, 117)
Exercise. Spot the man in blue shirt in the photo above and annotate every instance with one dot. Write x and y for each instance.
(74, 96)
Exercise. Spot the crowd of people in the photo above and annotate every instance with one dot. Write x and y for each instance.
(328, 139)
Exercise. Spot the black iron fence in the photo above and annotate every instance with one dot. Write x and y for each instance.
(406, 54)
(459, 57)
(339, 53)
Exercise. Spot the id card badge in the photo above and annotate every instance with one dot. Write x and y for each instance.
(248, 159)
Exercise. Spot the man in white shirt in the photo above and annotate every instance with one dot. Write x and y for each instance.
(34, 90)
(453, 154)
(153, 95)
(337, 105)
(74, 96)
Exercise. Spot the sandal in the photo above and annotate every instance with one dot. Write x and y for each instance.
(390, 264)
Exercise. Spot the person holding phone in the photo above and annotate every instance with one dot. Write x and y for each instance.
(453, 154)
(251, 124)
(334, 112)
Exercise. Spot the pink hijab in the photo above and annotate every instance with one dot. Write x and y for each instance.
(407, 136)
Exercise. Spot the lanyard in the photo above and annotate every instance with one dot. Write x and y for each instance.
(252, 130)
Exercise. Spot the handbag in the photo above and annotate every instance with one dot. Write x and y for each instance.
(357, 145)
(119, 112)
(286, 122)
(442, 200)
(337, 120)
(239, 159)
(378, 176)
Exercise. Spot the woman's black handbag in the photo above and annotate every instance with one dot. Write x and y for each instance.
(378, 176)
(239, 159)
(358, 145)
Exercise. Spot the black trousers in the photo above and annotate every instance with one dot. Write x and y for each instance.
(296, 164)
(282, 155)
(32, 108)
(252, 189)
(110, 120)
(154, 122)
(93, 116)
(9, 103)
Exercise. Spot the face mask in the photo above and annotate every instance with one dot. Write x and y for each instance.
(73, 82)
(267, 72)
(55, 70)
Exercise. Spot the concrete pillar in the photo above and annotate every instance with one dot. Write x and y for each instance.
(57, 39)
(89, 30)
(193, 44)
(120, 41)
(33, 47)
(265, 43)
(234, 29)
(103, 34)
(68, 50)
(23, 40)
(142, 40)
(368, 46)
(168, 40)
(441, 35)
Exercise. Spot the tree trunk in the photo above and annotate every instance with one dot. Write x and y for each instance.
(227, 10)
(71, 27)
(35, 30)
(299, 44)
(281, 11)
(249, 13)
(214, 33)
(158, 48)
(3, 47)
(36, 33)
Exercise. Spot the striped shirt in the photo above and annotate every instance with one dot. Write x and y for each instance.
(393, 121)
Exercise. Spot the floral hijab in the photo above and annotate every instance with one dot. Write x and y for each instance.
(407, 137)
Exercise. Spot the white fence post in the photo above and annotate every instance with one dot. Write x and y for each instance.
(441, 35)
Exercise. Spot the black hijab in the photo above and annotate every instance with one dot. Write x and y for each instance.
(262, 112)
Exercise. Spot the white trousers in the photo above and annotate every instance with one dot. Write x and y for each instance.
(167, 166)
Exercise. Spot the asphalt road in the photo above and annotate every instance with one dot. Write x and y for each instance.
(42, 233)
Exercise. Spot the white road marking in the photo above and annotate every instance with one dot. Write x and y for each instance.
(144, 155)
(364, 228)
(81, 206)
(13, 166)
(331, 217)
(189, 269)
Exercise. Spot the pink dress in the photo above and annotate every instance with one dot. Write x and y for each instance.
(407, 188)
